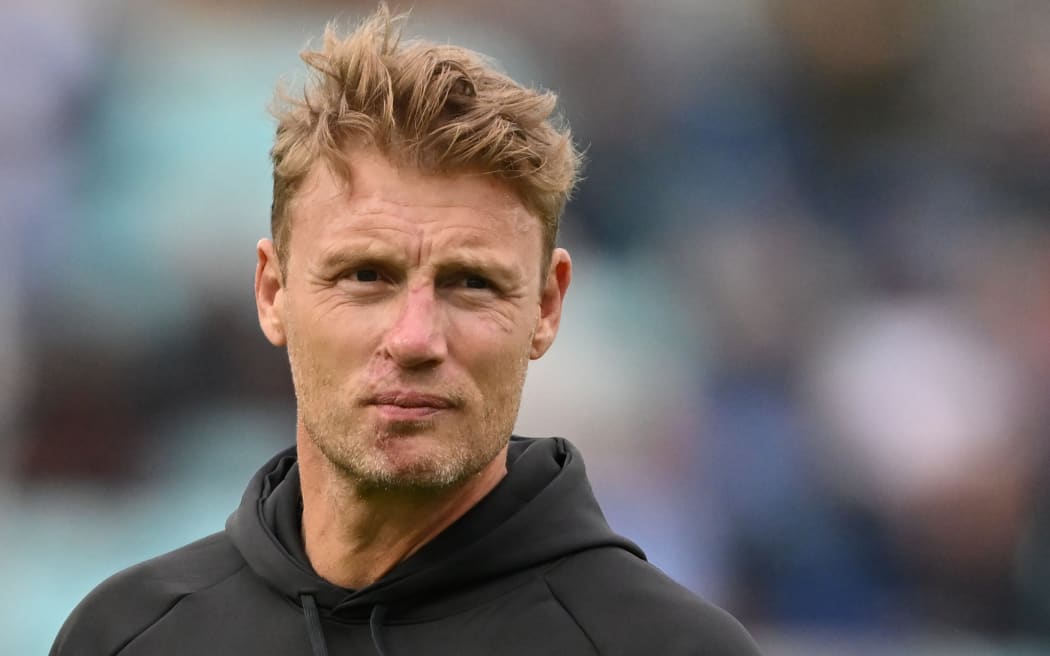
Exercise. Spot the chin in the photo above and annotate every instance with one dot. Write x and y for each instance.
(409, 455)
(425, 465)
(413, 476)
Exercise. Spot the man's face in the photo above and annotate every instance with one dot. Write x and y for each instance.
(410, 306)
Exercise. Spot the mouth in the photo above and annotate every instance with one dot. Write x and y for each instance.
(406, 405)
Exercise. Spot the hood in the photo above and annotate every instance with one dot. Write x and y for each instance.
(545, 494)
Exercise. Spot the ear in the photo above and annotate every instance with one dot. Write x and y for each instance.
(551, 297)
(269, 293)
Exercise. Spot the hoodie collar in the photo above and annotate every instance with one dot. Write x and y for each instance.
(541, 510)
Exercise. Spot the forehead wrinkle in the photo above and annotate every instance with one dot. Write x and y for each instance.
(385, 198)
(436, 231)
(347, 242)
(423, 214)
(353, 231)
(475, 243)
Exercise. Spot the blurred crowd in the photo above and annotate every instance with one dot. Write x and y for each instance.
(806, 352)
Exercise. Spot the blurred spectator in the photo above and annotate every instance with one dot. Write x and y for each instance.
(48, 60)
(927, 425)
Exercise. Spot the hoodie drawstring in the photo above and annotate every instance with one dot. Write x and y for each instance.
(375, 624)
(313, 625)
(316, 632)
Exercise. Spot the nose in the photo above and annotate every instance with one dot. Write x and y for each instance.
(416, 338)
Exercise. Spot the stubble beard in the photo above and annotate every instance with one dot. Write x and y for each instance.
(370, 458)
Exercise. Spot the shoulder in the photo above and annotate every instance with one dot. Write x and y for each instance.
(628, 606)
(130, 601)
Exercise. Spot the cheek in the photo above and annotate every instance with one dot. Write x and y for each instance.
(489, 345)
(335, 337)
(504, 319)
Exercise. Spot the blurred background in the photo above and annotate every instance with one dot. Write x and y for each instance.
(806, 352)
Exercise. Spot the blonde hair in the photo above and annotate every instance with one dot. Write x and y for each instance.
(441, 108)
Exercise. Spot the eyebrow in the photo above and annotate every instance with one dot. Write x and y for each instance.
(481, 263)
(370, 252)
(359, 252)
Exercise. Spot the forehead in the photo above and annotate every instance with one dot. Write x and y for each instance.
(379, 194)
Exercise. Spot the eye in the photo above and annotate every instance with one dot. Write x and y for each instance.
(365, 275)
(476, 282)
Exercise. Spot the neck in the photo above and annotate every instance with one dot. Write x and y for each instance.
(355, 534)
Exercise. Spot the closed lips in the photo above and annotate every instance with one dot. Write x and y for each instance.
(412, 400)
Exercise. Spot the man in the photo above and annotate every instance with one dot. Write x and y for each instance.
(412, 275)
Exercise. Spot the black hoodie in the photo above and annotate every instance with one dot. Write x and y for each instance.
(531, 569)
